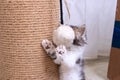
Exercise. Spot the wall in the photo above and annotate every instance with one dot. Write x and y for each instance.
(99, 16)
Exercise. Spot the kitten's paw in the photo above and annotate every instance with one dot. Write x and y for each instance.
(46, 44)
(61, 50)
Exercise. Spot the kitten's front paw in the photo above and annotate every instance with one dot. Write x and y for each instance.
(47, 45)
(61, 50)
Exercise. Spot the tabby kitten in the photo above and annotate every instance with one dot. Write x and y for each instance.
(70, 61)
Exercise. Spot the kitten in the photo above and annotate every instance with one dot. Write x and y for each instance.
(70, 61)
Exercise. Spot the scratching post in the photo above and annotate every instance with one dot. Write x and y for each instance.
(23, 25)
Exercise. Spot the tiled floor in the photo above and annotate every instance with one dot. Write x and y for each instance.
(96, 69)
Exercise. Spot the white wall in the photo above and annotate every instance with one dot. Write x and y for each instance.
(77, 12)
(106, 23)
(99, 16)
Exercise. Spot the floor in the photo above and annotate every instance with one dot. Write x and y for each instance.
(96, 69)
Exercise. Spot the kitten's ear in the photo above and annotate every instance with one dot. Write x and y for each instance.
(82, 29)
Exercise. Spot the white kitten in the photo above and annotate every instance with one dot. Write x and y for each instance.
(70, 61)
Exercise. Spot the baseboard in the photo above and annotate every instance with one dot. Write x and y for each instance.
(91, 57)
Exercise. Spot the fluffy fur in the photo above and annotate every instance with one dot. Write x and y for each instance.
(70, 60)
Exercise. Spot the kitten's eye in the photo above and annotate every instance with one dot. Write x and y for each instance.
(61, 52)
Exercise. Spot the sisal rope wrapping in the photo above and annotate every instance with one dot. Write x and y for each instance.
(23, 25)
